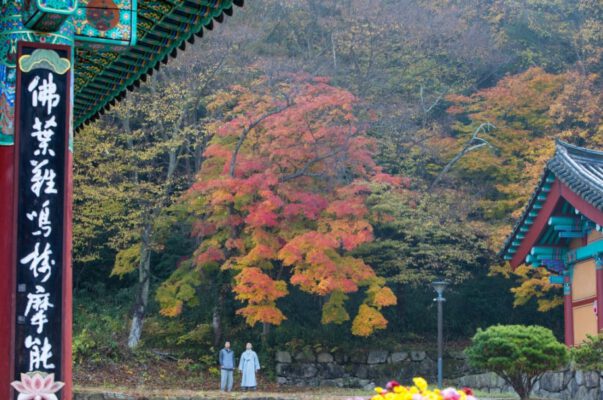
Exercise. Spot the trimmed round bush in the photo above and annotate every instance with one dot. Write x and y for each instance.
(519, 354)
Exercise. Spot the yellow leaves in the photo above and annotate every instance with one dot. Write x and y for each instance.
(367, 321)
(172, 310)
(167, 296)
(379, 295)
(369, 318)
(178, 290)
(334, 310)
(126, 261)
(385, 297)
(260, 254)
(221, 197)
(534, 283)
(501, 269)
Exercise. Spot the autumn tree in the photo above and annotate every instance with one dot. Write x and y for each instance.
(281, 201)
(529, 110)
(151, 157)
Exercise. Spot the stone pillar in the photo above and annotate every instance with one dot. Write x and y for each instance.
(599, 277)
(57, 28)
(568, 310)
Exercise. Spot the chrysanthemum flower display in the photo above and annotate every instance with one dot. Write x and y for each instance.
(419, 391)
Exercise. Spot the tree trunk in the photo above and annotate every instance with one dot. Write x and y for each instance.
(216, 320)
(265, 332)
(142, 296)
(216, 324)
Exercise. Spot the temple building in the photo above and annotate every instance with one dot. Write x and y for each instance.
(561, 229)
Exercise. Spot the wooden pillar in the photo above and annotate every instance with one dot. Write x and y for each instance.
(6, 270)
(67, 367)
(599, 277)
(13, 31)
(568, 310)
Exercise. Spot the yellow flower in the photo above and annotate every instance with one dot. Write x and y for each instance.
(433, 396)
(379, 389)
(420, 383)
(377, 397)
(399, 389)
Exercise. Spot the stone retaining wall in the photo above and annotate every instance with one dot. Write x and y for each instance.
(363, 369)
(564, 385)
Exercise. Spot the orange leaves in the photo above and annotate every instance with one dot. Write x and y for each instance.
(210, 255)
(257, 256)
(350, 233)
(385, 297)
(260, 292)
(297, 248)
(172, 310)
(255, 286)
(268, 314)
(367, 321)
(294, 198)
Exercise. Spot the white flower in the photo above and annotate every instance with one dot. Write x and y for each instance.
(37, 386)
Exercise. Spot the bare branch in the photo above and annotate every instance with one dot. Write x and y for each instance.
(246, 131)
(303, 171)
(469, 146)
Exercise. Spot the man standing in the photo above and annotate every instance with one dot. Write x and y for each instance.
(249, 365)
(227, 363)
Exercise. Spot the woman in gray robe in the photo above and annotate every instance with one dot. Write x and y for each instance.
(248, 365)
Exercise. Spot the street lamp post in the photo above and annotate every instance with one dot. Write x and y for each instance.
(439, 287)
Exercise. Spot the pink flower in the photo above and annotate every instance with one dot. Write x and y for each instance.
(37, 386)
(450, 394)
(391, 384)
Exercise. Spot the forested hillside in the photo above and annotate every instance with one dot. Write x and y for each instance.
(303, 172)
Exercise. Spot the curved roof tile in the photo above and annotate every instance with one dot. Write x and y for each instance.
(578, 168)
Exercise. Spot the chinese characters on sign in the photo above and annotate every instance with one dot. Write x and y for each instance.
(42, 126)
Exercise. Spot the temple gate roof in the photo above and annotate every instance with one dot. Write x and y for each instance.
(567, 203)
(163, 27)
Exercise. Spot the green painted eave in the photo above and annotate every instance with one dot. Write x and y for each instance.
(102, 78)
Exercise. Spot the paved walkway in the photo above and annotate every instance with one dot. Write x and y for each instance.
(130, 394)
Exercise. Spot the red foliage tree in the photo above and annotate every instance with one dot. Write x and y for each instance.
(281, 200)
